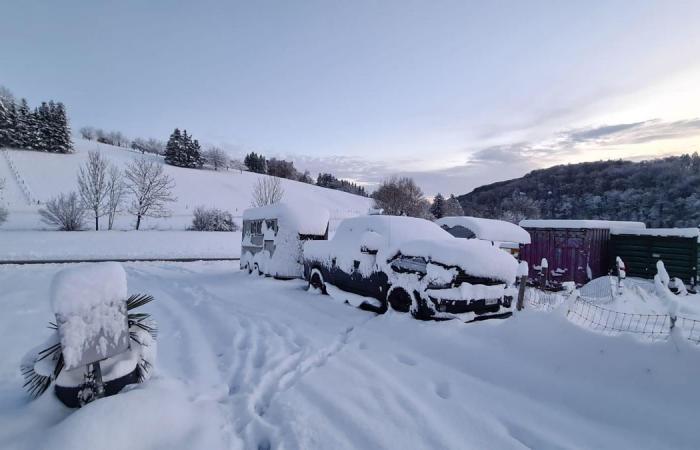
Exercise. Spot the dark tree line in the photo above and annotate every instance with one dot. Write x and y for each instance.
(329, 181)
(285, 169)
(183, 151)
(45, 128)
(661, 192)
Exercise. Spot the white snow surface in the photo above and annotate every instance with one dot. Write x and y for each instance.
(78, 289)
(78, 245)
(37, 176)
(249, 362)
(488, 229)
(308, 218)
(661, 232)
(604, 224)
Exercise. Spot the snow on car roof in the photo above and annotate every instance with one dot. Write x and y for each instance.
(661, 232)
(488, 229)
(605, 224)
(476, 257)
(311, 219)
(395, 229)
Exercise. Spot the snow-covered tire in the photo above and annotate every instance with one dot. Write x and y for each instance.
(257, 270)
(316, 281)
(398, 299)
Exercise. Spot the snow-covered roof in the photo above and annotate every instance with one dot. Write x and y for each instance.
(488, 229)
(307, 219)
(661, 232)
(396, 229)
(604, 224)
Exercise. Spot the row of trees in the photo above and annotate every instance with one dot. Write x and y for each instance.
(401, 196)
(285, 169)
(44, 128)
(142, 189)
(662, 192)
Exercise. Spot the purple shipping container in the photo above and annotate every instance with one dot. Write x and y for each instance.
(573, 254)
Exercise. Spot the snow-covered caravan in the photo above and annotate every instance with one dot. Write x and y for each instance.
(575, 250)
(273, 235)
(507, 236)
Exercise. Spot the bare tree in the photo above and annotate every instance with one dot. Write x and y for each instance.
(116, 190)
(64, 211)
(6, 96)
(88, 133)
(452, 207)
(92, 185)
(151, 189)
(215, 157)
(267, 191)
(401, 197)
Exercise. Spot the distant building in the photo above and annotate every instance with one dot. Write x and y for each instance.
(505, 235)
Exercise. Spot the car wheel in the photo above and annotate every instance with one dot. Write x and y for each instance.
(316, 281)
(257, 270)
(399, 299)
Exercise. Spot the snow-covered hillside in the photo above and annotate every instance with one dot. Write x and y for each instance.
(33, 177)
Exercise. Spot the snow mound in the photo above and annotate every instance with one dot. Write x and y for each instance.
(488, 229)
(604, 224)
(89, 304)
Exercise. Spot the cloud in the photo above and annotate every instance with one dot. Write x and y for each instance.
(635, 133)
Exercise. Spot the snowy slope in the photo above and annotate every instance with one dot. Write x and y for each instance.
(43, 175)
(255, 363)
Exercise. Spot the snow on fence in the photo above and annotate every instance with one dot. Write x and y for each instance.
(608, 321)
(542, 300)
(599, 291)
(653, 326)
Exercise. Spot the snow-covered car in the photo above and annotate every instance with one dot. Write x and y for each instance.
(412, 264)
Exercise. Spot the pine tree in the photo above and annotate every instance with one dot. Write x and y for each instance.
(5, 125)
(173, 148)
(40, 128)
(437, 209)
(25, 126)
(452, 208)
(62, 136)
(12, 136)
(195, 155)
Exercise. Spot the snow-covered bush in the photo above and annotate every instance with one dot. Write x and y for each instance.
(212, 219)
(3, 211)
(64, 211)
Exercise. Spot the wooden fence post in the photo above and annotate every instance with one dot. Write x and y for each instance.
(521, 292)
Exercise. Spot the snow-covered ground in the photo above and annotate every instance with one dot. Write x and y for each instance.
(80, 245)
(248, 362)
(33, 177)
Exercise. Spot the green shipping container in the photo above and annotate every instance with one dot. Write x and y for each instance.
(640, 252)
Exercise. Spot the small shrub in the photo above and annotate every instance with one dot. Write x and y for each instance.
(65, 211)
(3, 215)
(212, 220)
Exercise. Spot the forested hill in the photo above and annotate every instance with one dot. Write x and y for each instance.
(661, 192)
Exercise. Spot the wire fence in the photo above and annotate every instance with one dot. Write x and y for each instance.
(542, 300)
(600, 291)
(611, 322)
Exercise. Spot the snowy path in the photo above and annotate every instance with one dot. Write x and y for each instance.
(255, 363)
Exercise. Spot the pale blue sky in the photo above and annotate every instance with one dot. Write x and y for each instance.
(367, 88)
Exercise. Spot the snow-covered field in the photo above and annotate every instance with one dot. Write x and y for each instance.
(248, 362)
(57, 246)
(37, 176)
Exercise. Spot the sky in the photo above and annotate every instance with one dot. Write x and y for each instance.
(453, 93)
